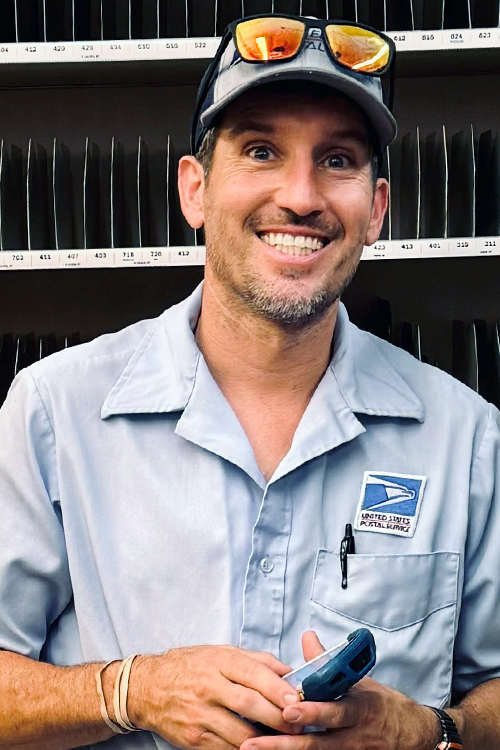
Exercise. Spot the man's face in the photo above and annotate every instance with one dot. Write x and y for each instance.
(289, 203)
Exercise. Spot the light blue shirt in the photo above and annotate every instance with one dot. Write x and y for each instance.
(134, 517)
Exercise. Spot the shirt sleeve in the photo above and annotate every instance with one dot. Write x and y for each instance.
(34, 577)
(477, 645)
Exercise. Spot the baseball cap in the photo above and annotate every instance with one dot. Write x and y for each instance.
(229, 76)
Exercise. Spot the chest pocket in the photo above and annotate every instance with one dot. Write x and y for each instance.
(409, 602)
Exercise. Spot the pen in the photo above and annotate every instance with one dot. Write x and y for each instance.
(346, 548)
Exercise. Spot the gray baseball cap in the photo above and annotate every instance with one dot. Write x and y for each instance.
(232, 76)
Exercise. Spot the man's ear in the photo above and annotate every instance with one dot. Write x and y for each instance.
(191, 184)
(379, 208)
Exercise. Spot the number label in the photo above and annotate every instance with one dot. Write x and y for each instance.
(59, 48)
(115, 46)
(46, 257)
(172, 45)
(200, 45)
(144, 46)
(184, 253)
(400, 38)
(462, 244)
(72, 256)
(156, 254)
(128, 255)
(4, 49)
(490, 243)
(456, 37)
(87, 47)
(100, 256)
(18, 257)
(427, 37)
(30, 49)
(407, 246)
(485, 35)
(435, 246)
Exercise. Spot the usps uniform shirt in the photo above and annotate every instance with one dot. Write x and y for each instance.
(134, 517)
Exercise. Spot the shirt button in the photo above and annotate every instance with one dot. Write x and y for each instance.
(266, 565)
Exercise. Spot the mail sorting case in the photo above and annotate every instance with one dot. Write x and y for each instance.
(89, 152)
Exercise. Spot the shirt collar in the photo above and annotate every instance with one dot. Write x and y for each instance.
(161, 373)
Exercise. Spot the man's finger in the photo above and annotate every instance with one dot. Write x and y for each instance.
(251, 673)
(253, 706)
(342, 713)
(310, 741)
(311, 645)
(271, 661)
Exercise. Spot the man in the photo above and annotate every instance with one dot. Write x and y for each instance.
(189, 480)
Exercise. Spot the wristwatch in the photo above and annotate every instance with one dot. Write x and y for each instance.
(450, 738)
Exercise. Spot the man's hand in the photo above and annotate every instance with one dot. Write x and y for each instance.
(194, 697)
(369, 717)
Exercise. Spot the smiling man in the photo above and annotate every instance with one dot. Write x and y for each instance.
(181, 491)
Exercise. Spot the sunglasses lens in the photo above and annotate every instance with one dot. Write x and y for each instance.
(265, 39)
(358, 49)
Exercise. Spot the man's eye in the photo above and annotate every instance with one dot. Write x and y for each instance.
(337, 161)
(260, 153)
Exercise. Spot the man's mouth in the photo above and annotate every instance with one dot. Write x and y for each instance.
(290, 244)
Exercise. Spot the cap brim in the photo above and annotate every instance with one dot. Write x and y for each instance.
(377, 113)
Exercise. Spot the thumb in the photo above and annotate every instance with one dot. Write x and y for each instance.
(311, 645)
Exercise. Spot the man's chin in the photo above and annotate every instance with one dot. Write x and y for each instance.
(289, 311)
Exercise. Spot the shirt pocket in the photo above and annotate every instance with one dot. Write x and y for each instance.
(409, 602)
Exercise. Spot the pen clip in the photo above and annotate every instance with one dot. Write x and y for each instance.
(347, 547)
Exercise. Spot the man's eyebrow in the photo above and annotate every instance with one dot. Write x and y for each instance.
(250, 126)
(254, 126)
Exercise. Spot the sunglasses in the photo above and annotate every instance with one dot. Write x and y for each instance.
(268, 39)
(265, 39)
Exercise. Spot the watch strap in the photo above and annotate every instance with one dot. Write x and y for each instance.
(450, 737)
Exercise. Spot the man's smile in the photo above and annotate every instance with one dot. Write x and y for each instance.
(289, 244)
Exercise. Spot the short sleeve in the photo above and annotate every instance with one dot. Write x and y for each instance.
(477, 645)
(34, 577)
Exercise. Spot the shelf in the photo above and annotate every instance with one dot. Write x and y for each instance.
(25, 260)
(72, 63)
(195, 256)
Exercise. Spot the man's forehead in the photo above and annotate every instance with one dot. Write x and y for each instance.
(264, 109)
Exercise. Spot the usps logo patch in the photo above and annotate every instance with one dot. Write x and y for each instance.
(389, 503)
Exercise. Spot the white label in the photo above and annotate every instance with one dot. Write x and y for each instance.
(488, 245)
(15, 259)
(73, 258)
(128, 257)
(456, 38)
(430, 40)
(202, 46)
(484, 37)
(408, 248)
(8, 53)
(156, 256)
(45, 259)
(381, 249)
(28, 52)
(184, 256)
(463, 246)
(98, 258)
(174, 49)
(406, 40)
(435, 248)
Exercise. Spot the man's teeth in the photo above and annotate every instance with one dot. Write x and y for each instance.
(290, 244)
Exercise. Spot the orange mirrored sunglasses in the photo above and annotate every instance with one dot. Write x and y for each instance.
(273, 38)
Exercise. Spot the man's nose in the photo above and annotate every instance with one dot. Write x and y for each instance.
(300, 188)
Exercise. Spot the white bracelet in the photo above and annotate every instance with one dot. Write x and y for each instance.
(102, 702)
(120, 695)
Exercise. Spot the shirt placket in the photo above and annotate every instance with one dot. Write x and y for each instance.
(264, 592)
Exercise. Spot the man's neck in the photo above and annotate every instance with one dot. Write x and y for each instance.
(247, 354)
(267, 374)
